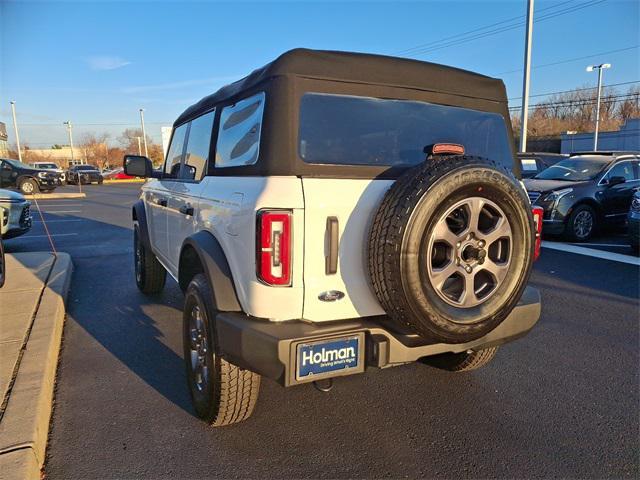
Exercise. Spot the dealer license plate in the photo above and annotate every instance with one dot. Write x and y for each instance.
(324, 357)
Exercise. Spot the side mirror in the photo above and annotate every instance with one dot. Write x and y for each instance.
(138, 166)
(616, 181)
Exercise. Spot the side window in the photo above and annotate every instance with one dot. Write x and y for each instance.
(623, 169)
(198, 143)
(636, 168)
(174, 154)
(239, 136)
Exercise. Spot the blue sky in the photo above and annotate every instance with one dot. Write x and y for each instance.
(97, 63)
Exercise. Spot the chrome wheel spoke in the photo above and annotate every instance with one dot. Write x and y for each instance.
(502, 229)
(498, 270)
(442, 232)
(468, 297)
(475, 205)
(194, 360)
(440, 275)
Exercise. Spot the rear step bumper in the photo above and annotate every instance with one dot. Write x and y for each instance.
(269, 348)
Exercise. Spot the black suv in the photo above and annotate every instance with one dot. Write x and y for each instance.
(84, 174)
(15, 174)
(585, 191)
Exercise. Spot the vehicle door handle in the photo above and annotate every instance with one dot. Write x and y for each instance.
(331, 260)
(161, 201)
(186, 209)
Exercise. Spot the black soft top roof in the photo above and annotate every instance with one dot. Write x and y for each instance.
(358, 68)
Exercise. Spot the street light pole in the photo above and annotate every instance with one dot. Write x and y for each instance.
(15, 128)
(139, 147)
(144, 134)
(69, 127)
(524, 111)
(591, 68)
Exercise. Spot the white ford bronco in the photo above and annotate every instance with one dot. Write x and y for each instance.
(336, 211)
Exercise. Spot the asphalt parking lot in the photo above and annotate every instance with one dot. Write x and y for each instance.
(562, 402)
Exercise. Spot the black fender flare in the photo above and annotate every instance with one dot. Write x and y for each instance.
(139, 214)
(202, 252)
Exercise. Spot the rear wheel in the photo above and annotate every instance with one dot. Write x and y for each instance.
(462, 362)
(150, 274)
(28, 186)
(222, 393)
(581, 224)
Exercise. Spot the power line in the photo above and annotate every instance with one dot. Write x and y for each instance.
(568, 60)
(581, 102)
(446, 44)
(576, 90)
(434, 42)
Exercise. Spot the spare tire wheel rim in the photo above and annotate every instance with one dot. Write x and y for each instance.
(469, 252)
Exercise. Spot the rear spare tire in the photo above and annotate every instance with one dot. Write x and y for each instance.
(451, 248)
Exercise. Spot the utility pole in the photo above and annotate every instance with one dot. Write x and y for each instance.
(106, 154)
(139, 147)
(144, 134)
(591, 68)
(15, 128)
(527, 74)
(69, 127)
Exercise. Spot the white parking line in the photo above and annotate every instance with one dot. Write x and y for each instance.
(62, 211)
(617, 245)
(591, 252)
(58, 221)
(61, 205)
(53, 235)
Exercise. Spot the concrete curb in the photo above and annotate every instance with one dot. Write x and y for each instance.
(25, 424)
(125, 180)
(54, 196)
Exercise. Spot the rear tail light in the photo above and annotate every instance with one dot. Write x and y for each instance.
(538, 212)
(273, 246)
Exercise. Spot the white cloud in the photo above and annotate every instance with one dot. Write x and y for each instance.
(106, 62)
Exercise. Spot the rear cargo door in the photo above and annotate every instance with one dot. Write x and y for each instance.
(338, 215)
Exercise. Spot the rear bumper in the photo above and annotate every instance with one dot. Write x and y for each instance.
(268, 348)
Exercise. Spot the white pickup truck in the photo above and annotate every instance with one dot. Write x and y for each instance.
(336, 211)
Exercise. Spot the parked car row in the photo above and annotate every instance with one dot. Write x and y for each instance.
(585, 192)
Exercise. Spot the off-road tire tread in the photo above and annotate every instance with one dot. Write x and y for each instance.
(154, 274)
(239, 390)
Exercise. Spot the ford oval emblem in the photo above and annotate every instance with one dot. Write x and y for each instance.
(331, 296)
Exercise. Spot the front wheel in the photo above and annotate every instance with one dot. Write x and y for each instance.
(581, 224)
(29, 186)
(222, 393)
(462, 362)
(150, 274)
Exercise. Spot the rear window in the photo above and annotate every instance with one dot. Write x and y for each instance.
(348, 130)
